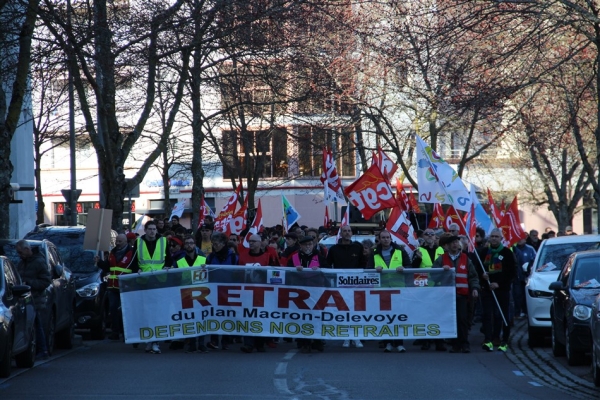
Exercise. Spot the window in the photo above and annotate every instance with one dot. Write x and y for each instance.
(244, 152)
(312, 140)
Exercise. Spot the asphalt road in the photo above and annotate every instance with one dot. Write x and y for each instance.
(114, 370)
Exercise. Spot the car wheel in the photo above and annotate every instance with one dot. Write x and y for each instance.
(595, 368)
(26, 359)
(535, 336)
(50, 332)
(6, 361)
(573, 357)
(558, 349)
(66, 337)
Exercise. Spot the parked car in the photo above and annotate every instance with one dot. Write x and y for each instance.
(595, 329)
(91, 309)
(59, 317)
(17, 320)
(574, 292)
(550, 258)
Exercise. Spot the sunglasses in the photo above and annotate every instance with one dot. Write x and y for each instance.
(428, 234)
(174, 244)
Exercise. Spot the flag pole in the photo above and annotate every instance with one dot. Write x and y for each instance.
(464, 228)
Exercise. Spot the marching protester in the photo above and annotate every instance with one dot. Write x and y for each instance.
(467, 284)
(34, 273)
(388, 255)
(191, 257)
(346, 254)
(309, 257)
(424, 258)
(221, 255)
(500, 271)
(291, 246)
(152, 255)
(256, 257)
(119, 262)
(524, 253)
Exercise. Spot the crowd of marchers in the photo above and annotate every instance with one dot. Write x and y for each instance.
(489, 286)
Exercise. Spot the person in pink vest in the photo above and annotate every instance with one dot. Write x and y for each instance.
(308, 257)
(467, 283)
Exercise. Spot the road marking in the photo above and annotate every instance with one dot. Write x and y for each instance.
(518, 373)
(290, 354)
(282, 386)
(532, 383)
(281, 368)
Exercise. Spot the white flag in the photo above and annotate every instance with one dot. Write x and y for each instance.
(438, 181)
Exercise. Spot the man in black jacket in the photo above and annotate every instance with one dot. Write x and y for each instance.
(346, 254)
(500, 271)
(34, 273)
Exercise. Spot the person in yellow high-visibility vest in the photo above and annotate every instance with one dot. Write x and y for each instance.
(424, 258)
(152, 255)
(388, 255)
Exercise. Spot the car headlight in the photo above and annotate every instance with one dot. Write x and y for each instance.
(90, 290)
(539, 293)
(582, 312)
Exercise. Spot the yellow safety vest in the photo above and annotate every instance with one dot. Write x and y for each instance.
(157, 261)
(182, 262)
(395, 261)
(426, 261)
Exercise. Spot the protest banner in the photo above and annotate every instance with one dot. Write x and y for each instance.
(264, 301)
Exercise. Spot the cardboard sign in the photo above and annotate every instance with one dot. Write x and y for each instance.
(97, 230)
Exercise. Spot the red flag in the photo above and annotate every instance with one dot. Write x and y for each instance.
(374, 159)
(511, 225)
(401, 196)
(371, 193)
(345, 221)
(402, 230)
(238, 221)
(502, 209)
(326, 221)
(222, 220)
(496, 216)
(386, 165)
(472, 228)
(256, 226)
(414, 204)
(453, 217)
(437, 218)
(330, 179)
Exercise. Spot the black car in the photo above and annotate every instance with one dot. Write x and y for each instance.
(59, 317)
(595, 327)
(91, 310)
(574, 293)
(17, 319)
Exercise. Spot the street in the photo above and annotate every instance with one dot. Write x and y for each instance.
(115, 370)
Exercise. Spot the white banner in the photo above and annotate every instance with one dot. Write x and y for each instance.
(262, 301)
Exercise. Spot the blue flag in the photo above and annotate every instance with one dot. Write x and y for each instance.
(290, 215)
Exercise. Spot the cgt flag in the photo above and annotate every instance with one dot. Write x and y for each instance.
(371, 193)
(330, 179)
(345, 222)
(387, 167)
(437, 218)
(205, 211)
(222, 220)
(496, 214)
(326, 220)
(256, 226)
(511, 225)
(238, 221)
(402, 231)
(290, 215)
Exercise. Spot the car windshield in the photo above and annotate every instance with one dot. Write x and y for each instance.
(554, 256)
(77, 259)
(9, 250)
(587, 274)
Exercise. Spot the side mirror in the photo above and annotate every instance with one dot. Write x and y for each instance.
(556, 286)
(20, 290)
